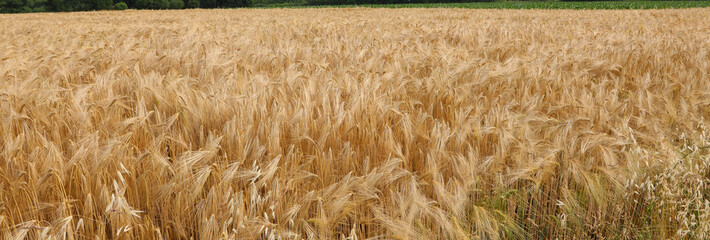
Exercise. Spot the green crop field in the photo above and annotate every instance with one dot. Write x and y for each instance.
(515, 5)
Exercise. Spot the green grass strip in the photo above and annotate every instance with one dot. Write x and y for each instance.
(518, 5)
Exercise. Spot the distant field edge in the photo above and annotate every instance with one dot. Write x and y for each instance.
(516, 5)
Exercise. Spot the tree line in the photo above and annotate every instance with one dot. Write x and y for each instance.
(24, 6)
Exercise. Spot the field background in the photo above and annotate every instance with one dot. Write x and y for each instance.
(494, 4)
(355, 123)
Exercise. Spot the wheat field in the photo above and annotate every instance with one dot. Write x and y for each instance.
(355, 124)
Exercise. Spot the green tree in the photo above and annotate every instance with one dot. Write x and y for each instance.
(129, 3)
(160, 4)
(233, 3)
(193, 4)
(11, 6)
(103, 4)
(208, 3)
(120, 6)
(61, 5)
(143, 4)
(177, 4)
(19, 6)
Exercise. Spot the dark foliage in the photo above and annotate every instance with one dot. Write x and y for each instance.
(103, 4)
(142, 4)
(160, 4)
(120, 6)
(177, 4)
(25, 6)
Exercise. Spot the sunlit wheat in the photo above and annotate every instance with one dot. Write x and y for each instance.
(355, 123)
